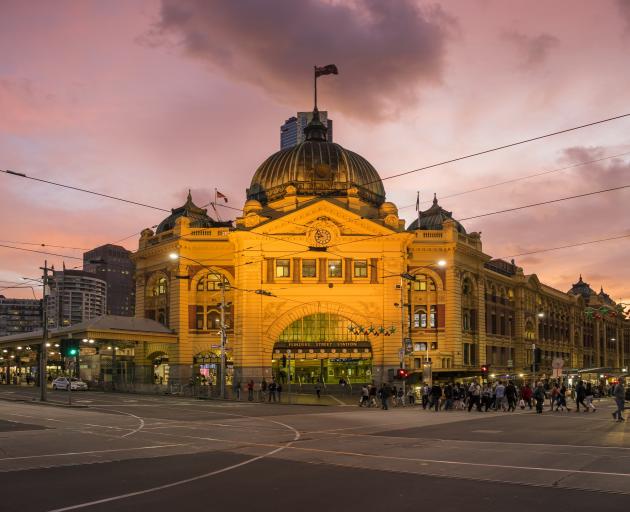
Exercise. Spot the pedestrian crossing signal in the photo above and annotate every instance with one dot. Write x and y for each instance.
(402, 374)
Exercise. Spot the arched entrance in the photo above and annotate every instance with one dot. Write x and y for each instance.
(322, 347)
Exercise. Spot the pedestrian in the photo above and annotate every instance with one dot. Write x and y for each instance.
(318, 391)
(236, 389)
(580, 395)
(411, 396)
(589, 396)
(486, 397)
(279, 391)
(474, 396)
(263, 390)
(510, 394)
(365, 396)
(562, 398)
(384, 392)
(400, 397)
(250, 390)
(526, 395)
(272, 390)
(619, 394)
(555, 391)
(500, 397)
(448, 397)
(436, 394)
(372, 392)
(425, 396)
(539, 396)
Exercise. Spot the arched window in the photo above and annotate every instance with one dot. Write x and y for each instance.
(466, 287)
(156, 303)
(423, 283)
(420, 318)
(212, 282)
(159, 287)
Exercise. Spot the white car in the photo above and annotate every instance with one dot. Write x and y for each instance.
(75, 384)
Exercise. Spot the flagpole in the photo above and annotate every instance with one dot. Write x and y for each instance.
(418, 207)
(315, 84)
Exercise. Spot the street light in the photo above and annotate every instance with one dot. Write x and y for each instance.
(175, 256)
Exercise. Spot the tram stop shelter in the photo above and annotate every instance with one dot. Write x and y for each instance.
(112, 353)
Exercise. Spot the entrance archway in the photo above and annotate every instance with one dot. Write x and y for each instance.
(322, 348)
(160, 367)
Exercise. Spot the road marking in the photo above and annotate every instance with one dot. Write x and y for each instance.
(69, 454)
(487, 431)
(192, 479)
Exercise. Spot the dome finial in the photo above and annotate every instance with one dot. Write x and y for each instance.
(435, 202)
(316, 130)
(189, 198)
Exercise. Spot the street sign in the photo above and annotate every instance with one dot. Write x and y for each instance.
(408, 346)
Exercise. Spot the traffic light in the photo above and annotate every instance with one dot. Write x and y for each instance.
(485, 369)
(69, 348)
(401, 374)
(284, 360)
(537, 356)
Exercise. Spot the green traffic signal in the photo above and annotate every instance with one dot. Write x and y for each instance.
(72, 352)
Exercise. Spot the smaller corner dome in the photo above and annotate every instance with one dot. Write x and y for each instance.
(582, 288)
(433, 218)
(198, 217)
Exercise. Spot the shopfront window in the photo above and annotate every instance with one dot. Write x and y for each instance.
(334, 268)
(309, 268)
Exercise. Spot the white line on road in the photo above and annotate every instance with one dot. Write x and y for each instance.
(69, 454)
(188, 480)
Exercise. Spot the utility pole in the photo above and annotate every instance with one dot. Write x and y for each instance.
(223, 336)
(402, 329)
(43, 353)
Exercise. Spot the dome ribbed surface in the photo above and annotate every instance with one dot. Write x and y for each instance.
(316, 168)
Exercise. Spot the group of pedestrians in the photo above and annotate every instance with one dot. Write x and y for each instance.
(499, 396)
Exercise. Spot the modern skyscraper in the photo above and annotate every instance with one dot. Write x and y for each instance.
(292, 131)
(75, 296)
(113, 264)
(19, 315)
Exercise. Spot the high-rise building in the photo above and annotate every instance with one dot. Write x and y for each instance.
(112, 264)
(75, 296)
(19, 315)
(292, 131)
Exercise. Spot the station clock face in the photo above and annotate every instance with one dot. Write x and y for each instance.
(322, 237)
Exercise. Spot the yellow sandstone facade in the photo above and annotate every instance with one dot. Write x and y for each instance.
(324, 279)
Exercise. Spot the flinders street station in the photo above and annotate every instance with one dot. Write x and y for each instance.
(319, 281)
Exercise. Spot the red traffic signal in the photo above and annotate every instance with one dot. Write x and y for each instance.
(402, 374)
(485, 369)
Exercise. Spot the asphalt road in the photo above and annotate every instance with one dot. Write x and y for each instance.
(129, 452)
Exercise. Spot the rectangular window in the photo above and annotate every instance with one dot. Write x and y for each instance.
(199, 317)
(420, 286)
(334, 268)
(433, 316)
(467, 354)
(360, 268)
(283, 268)
(309, 268)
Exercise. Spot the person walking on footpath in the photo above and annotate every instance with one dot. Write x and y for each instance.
(365, 396)
(539, 396)
(263, 390)
(279, 391)
(373, 392)
(510, 394)
(448, 397)
(580, 395)
(318, 391)
(250, 391)
(474, 392)
(619, 394)
(500, 397)
(272, 390)
(526, 395)
(589, 396)
(436, 394)
(425, 396)
(384, 392)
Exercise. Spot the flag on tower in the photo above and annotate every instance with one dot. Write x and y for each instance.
(222, 196)
(330, 69)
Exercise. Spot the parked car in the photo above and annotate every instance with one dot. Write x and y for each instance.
(75, 384)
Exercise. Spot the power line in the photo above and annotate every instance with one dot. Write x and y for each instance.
(545, 202)
(62, 185)
(577, 244)
(41, 252)
(44, 245)
(521, 178)
(498, 148)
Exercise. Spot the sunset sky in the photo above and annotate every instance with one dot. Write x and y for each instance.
(146, 99)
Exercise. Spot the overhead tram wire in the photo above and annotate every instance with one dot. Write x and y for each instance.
(568, 246)
(521, 178)
(430, 166)
(437, 164)
(44, 245)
